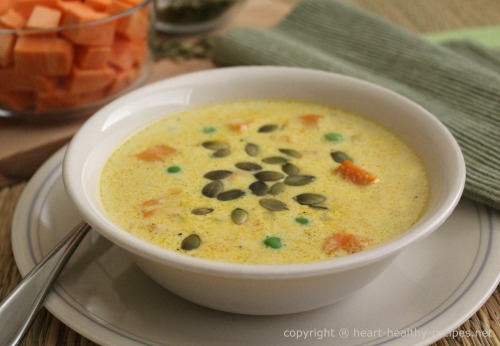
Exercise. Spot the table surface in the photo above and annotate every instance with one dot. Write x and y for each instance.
(419, 16)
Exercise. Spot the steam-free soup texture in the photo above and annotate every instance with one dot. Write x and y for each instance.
(265, 181)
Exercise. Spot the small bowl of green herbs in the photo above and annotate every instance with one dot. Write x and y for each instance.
(193, 16)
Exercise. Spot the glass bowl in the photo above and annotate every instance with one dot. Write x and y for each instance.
(70, 58)
(193, 16)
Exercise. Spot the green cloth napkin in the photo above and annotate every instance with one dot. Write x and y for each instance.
(457, 82)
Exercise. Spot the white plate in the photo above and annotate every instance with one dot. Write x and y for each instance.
(430, 290)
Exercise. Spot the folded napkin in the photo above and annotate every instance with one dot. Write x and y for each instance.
(457, 82)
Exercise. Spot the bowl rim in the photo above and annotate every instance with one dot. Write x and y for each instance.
(29, 31)
(73, 181)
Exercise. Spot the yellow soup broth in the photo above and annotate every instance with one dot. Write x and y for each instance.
(358, 185)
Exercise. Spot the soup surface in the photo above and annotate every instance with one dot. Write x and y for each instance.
(264, 182)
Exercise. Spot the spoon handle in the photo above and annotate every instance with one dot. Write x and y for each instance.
(20, 307)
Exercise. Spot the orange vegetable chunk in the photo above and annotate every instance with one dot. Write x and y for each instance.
(25, 7)
(12, 19)
(346, 242)
(355, 174)
(89, 80)
(92, 56)
(56, 99)
(132, 26)
(91, 34)
(17, 100)
(51, 56)
(6, 5)
(157, 153)
(6, 49)
(13, 79)
(310, 119)
(123, 78)
(99, 5)
(125, 53)
(44, 18)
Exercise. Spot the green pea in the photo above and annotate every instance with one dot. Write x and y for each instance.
(209, 129)
(302, 220)
(273, 242)
(173, 169)
(334, 137)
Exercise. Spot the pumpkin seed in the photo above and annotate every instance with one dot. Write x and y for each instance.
(291, 152)
(268, 128)
(191, 242)
(202, 211)
(272, 204)
(275, 160)
(215, 145)
(277, 188)
(248, 166)
(212, 189)
(299, 180)
(218, 175)
(229, 195)
(222, 152)
(340, 156)
(269, 176)
(252, 149)
(259, 188)
(314, 206)
(290, 169)
(309, 198)
(239, 216)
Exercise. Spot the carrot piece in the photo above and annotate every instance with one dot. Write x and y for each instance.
(7, 49)
(240, 127)
(157, 153)
(44, 18)
(12, 19)
(92, 34)
(92, 56)
(89, 80)
(346, 242)
(355, 174)
(311, 119)
(148, 213)
(51, 56)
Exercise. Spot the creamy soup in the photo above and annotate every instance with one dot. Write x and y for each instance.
(265, 182)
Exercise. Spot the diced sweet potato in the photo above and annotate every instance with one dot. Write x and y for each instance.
(14, 80)
(43, 17)
(124, 53)
(6, 49)
(50, 56)
(56, 99)
(86, 80)
(99, 5)
(91, 34)
(92, 56)
(17, 100)
(133, 26)
(123, 78)
(6, 5)
(12, 19)
(46, 83)
(93, 97)
(25, 7)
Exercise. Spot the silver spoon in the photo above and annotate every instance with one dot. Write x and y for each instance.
(20, 307)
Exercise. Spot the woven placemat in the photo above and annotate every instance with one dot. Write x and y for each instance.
(420, 16)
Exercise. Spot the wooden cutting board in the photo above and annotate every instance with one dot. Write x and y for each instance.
(25, 146)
